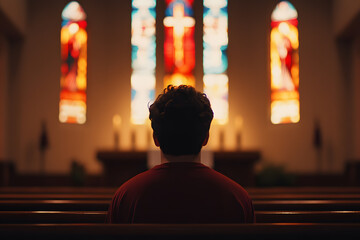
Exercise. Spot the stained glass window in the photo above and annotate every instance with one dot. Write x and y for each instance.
(143, 43)
(215, 63)
(284, 62)
(179, 44)
(72, 105)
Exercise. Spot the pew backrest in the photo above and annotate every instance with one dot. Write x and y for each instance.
(102, 205)
(180, 231)
(108, 196)
(32, 217)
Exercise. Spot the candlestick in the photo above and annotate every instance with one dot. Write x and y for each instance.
(221, 138)
(238, 131)
(149, 133)
(133, 139)
(116, 127)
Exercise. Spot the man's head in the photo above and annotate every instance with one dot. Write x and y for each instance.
(181, 118)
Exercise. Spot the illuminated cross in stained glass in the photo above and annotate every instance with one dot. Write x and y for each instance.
(179, 22)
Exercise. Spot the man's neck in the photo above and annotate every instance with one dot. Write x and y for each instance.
(183, 158)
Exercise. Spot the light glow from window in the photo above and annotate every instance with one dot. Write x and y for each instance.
(143, 43)
(72, 105)
(284, 62)
(179, 44)
(215, 63)
(216, 89)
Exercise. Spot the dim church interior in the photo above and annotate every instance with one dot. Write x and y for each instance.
(37, 149)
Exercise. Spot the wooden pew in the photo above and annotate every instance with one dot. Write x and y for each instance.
(102, 205)
(305, 196)
(304, 190)
(88, 205)
(32, 217)
(306, 205)
(181, 231)
(108, 196)
(58, 190)
(307, 216)
(54, 205)
(55, 196)
(110, 190)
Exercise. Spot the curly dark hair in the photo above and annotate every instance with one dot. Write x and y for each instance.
(181, 118)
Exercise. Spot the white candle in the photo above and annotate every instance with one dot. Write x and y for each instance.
(116, 122)
(239, 123)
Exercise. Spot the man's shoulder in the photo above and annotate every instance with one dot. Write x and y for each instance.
(222, 178)
(180, 174)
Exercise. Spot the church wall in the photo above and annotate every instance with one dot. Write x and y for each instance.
(15, 10)
(356, 98)
(3, 97)
(36, 87)
(37, 91)
(344, 12)
(321, 90)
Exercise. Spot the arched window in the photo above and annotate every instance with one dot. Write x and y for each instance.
(284, 64)
(215, 63)
(179, 43)
(72, 106)
(143, 43)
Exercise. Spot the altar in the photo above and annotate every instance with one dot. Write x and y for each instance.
(119, 166)
(237, 165)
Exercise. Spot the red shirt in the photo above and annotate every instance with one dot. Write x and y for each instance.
(181, 192)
